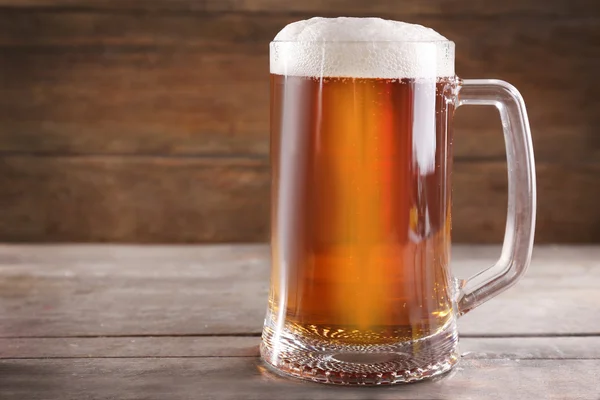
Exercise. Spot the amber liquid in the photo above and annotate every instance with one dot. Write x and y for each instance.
(361, 207)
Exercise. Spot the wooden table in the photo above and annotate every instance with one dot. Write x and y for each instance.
(183, 322)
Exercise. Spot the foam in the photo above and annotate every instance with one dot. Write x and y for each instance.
(361, 48)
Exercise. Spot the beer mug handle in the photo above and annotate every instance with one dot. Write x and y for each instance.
(520, 221)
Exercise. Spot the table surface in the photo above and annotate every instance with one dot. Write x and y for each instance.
(184, 322)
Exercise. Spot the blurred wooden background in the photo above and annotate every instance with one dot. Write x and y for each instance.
(147, 121)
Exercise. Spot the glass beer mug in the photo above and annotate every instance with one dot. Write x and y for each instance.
(361, 136)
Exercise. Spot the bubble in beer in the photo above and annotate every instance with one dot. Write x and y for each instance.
(361, 48)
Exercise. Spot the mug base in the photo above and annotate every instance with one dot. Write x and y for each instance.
(325, 362)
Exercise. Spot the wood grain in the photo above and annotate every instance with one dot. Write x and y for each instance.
(235, 378)
(112, 288)
(187, 199)
(59, 290)
(133, 199)
(94, 83)
(567, 208)
(521, 348)
(116, 116)
(457, 8)
(453, 8)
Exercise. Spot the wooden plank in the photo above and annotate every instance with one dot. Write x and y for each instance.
(531, 348)
(143, 199)
(41, 30)
(175, 199)
(116, 290)
(57, 291)
(234, 378)
(457, 8)
(137, 83)
(137, 347)
(566, 204)
(520, 348)
(454, 8)
(556, 273)
(145, 103)
(170, 83)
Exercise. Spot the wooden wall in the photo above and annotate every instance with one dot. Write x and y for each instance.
(147, 120)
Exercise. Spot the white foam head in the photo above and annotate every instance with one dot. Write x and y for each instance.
(361, 48)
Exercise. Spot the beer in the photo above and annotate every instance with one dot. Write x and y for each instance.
(361, 207)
